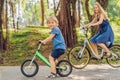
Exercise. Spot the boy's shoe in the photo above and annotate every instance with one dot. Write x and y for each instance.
(52, 75)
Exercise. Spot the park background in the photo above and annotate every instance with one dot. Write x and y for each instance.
(23, 24)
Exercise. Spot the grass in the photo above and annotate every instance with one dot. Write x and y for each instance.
(23, 44)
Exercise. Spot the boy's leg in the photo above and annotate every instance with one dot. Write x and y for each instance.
(53, 59)
(53, 64)
(56, 61)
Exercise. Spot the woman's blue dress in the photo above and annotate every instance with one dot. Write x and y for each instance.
(105, 35)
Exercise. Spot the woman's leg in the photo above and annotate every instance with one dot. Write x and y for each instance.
(53, 64)
(105, 48)
(94, 47)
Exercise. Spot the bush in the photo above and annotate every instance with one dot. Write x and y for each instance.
(118, 22)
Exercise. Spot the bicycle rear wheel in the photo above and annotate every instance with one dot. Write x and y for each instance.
(73, 57)
(64, 68)
(113, 61)
(29, 70)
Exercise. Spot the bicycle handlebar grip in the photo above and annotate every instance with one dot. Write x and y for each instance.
(83, 28)
(40, 42)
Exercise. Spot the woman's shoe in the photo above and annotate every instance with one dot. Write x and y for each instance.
(108, 56)
(93, 58)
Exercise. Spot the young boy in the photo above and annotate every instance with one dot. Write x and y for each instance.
(59, 46)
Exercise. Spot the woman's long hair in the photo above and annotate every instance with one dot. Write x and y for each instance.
(101, 10)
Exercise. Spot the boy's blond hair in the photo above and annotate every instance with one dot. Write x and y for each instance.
(54, 19)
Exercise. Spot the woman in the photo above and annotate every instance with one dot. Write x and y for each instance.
(105, 37)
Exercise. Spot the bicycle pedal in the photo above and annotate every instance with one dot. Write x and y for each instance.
(118, 58)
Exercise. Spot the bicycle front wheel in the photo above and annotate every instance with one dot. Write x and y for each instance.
(113, 61)
(29, 70)
(76, 61)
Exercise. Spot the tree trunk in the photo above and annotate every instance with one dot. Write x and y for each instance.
(12, 6)
(42, 12)
(1, 32)
(103, 3)
(79, 16)
(7, 30)
(48, 3)
(56, 8)
(67, 21)
(87, 10)
(75, 17)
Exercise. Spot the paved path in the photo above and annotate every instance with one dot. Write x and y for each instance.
(91, 72)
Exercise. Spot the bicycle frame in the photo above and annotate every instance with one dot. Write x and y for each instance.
(40, 56)
(86, 42)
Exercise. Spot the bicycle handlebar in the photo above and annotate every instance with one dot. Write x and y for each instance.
(85, 30)
(40, 42)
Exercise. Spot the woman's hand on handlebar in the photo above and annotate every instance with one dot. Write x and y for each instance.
(88, 25)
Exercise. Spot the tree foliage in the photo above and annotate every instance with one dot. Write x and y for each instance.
(113, 11)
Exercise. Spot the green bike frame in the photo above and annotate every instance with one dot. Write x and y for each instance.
(41, 57)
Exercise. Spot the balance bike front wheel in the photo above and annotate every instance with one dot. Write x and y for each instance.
(29, 70)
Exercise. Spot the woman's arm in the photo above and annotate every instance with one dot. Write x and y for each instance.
(48, 39)
(93, 21)
(99, 22)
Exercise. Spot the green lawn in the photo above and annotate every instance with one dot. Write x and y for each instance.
(24, 43)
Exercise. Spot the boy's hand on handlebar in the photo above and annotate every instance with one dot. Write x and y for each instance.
(40, 41)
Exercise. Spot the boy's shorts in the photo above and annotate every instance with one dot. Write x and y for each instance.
(56, 53)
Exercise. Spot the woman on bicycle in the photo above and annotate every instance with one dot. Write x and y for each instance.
(59, 46)
(105, 37)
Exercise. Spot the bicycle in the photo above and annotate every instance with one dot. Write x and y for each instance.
(79, 56)
(29, 67)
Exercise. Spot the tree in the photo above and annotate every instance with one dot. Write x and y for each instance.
(1, 31)
(67, 21)
(7, 29)
(42, 12)
(103, 3)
